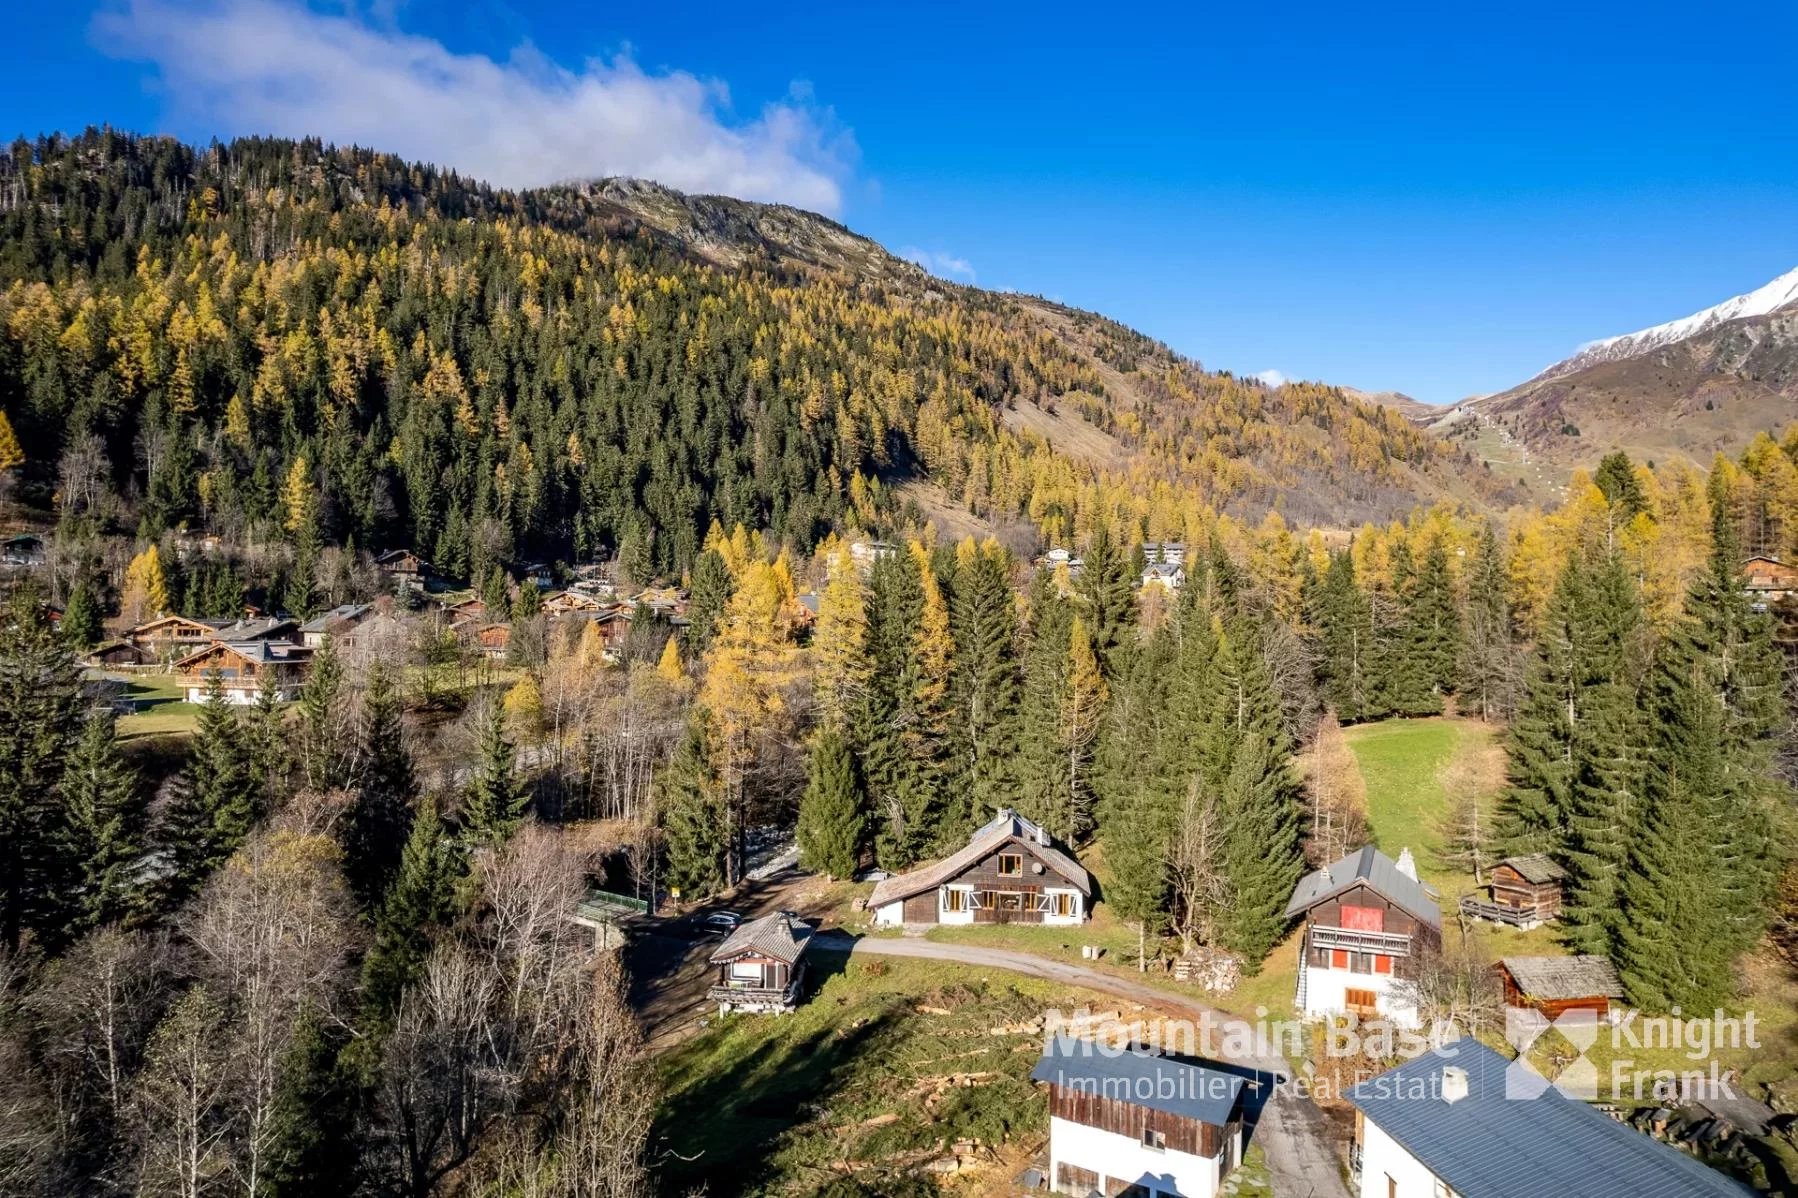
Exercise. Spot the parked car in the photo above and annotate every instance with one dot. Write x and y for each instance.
(718, 923)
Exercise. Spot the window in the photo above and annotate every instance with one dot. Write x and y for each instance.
(1064, 903)
(955, 900)
(1011, 900)
(742, 973)
(1153, 1139)
(1011, 865)
(1359, 1000)
(1361, 962)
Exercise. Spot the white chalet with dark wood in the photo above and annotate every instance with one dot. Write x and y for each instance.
(1009, 872)
(1133, 1122)
(1367, 919)
(761, 965)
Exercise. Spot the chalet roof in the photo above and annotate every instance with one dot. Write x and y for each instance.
(1163, 570)
(1379, 873)
(1005, 826)
(1556, 978)
(325, 621)
(1536, 868)
(1490, 1145)
(1140, 1077)
(258, 652)
(782, 936)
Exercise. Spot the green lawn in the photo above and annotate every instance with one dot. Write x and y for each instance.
(162, 709)
(1403, 763)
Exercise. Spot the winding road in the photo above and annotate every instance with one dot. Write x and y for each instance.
(1294, 1135)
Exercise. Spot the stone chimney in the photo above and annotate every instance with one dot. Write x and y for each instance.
(1454, 1084)
(1406, 865)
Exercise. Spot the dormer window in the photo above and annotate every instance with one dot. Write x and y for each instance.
(1153, 1139)
(1011, 865)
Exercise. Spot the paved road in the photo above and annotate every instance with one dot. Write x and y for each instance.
(1295, 1136)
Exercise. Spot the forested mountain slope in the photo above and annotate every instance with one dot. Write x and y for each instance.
(205, 336)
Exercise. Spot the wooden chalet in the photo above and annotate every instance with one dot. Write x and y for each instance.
(404, 567)
(1010, 871)
(334, 624)
(489, 638)
(113, 655)
(1138, 1123)
(761, 965)
(574, 601)
(22, 549)
(167, 635)
(1367, 920)
(1557, 985)
(242, 667)
(1768, 578)
(1525, 892)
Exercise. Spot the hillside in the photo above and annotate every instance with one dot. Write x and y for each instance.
(1694, 387)
(343, 347)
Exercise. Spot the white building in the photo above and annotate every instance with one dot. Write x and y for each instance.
(1138, 1123)
(1009, 872)
(1465, 1122)
(1162, 574)
(1367, 918)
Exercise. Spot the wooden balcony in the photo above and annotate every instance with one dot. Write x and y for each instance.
(1390, 944)
(1517, 917)
(760, 998)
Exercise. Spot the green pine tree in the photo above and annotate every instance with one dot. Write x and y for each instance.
(708, 593)
(107, 817)
(984, 688)
(496, 798)
(690, 805)
(1106, 588)
(81, 619)
(1346, 633)
(1042, 766)
(421, 901)
(1486, 674)
(832, 822)
(40, 719)
(381, 815)
(322, 758)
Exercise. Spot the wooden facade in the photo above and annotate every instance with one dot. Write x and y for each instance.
(1363, 931)
(1770, 578)
(1124, 1118)
(1542, 900)
(1598, 1004)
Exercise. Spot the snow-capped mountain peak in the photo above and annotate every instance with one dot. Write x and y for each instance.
(1778, 294)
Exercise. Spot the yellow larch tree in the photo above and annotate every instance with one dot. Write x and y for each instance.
(146, 591)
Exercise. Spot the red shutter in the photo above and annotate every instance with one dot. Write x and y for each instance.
(1364, 919)
(1382, 963)
(1339, 958)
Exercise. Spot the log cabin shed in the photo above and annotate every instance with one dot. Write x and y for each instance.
(1557, 985)
(761, 965)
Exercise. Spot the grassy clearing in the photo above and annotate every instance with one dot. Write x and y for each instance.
(883, 1070)
(162, 708)
(1411, 768)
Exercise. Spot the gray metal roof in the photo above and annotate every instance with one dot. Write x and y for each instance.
(1140, 1077)
(1379, 872)
(1489, 1146)
(343, 611)
(782, 936)
(1560, 978)
(1007, 825)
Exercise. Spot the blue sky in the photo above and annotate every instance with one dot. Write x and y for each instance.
(1432, 198)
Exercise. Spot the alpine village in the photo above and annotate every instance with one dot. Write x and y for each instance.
(592, 691)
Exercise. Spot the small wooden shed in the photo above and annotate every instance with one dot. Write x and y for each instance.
(761, 965)
(1557, 985)
(1526, 892)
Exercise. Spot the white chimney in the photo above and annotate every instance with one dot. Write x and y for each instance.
(1406, 865)
(1454, 1083)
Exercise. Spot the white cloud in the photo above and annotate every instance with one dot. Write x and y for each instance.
(1272, 378)
(941, 263)
(271, 66)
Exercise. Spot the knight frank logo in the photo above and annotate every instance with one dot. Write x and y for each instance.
(1575, 1076)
